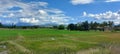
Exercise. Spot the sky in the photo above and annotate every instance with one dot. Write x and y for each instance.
(44, 12)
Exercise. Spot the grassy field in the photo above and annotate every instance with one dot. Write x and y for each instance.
(51, 41)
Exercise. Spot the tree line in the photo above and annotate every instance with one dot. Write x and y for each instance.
(86, 26)
(80, 26)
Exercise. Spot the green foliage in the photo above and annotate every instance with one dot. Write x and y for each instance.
(61, 27)
(86, 26)
(71, 27)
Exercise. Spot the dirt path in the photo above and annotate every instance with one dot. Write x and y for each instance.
(4, 52)
(93, 51)
(19, 47)
(115, 49)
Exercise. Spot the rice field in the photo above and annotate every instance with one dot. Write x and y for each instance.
(52, 41)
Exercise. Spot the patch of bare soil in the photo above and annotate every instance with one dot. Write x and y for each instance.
(4, 52)
(115, 49)
(94, 51)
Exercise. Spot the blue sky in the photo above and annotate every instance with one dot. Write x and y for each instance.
(40, 12)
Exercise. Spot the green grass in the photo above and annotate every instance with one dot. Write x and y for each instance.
(51, 41)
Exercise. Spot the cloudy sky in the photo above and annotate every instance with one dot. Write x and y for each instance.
(40, 12)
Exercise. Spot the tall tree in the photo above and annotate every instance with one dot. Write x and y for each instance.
(71, 27)
(110, 23)
(86, 25)
(95, 25)
(78, 26)
(105, 24)
(91, 25)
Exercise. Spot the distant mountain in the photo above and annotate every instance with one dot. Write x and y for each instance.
(43, 25)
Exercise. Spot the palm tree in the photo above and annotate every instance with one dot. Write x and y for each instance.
(0, 24)
(111, 24)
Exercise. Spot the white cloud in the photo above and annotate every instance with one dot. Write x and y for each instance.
(29, 20)
(56, 11)
(43, 4)
(32, 12)
(109, 15)
(112, 1)
(76, 2)
(84, 13)
(43, 12)
(10, 22)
